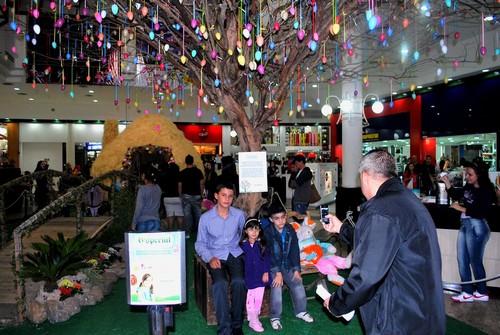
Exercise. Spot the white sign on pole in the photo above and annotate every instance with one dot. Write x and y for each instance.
(156, 268)
(252, 168)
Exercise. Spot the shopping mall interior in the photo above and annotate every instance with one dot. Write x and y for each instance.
(91, 87)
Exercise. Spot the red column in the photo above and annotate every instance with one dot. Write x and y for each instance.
(333, 139)
(416, 128)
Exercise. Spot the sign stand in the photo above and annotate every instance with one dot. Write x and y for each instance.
(156, 272)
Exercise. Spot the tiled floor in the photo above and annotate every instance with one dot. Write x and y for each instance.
(481, 315)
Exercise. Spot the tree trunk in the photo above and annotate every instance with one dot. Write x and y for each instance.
(250, 140)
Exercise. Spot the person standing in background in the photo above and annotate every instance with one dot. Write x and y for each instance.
(174, 211)
(42, 185)
(147, 205)
(302, 193)
(476, 199)
(191, 186)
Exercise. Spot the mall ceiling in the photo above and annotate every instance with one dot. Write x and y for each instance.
(383, 46)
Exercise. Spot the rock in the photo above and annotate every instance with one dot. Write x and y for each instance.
(59, 311)
(119, 269)
(36, 312)
(110, 276)
(86, 299)
(32, 289)
(72, 305)
(96, 293)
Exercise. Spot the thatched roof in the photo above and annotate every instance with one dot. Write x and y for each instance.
(152, 129)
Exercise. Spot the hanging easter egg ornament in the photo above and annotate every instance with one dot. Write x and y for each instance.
(439, 72)
(241, 60)
(457, 35)
(104, 13)
(482, 50)
(144, 10)
(300, 34)
(34, 41)
(54, 44)
(36, 13)
(406, 22)
(151, 35)
(258, 55)
(36, 29)
(52, 5)
(218, 36)
(194, 23)
(284, 15)
(261, 69)
(246, 33)
(114, 9)
(193, 53)
(130, 15)
(260, 40)
(183, 59)
(252, 65)
(98, 17)
(313, 45)
(272, 45)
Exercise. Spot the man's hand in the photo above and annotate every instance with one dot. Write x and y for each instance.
(278, 280)
(297, 276)
(334, 224)
(214, 263)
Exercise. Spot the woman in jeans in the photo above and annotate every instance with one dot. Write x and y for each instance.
(476, 201)
(147, 205)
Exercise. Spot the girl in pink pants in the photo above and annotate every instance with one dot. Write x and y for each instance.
(257, 266)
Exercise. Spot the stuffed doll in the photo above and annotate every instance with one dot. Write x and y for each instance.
(320, 254)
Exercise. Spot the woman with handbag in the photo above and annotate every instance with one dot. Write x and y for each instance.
(302, 193)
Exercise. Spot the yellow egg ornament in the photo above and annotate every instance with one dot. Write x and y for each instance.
(334, 29)
(218, 36)
(221, 109)
(230, 52)
(183, 59)
(203, 29)
(241, 60)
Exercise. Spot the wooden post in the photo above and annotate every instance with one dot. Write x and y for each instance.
(112, 196)
(79, 214)
(18, 256)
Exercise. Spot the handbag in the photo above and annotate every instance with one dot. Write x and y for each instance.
(315, 196)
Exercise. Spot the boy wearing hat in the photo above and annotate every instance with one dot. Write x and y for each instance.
(285, 265)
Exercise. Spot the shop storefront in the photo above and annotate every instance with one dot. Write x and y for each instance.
(469, 147)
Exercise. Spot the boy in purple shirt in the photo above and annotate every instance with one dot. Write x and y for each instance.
(217, 244)
(257, 267)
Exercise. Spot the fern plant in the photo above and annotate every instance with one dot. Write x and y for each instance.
(57, 258)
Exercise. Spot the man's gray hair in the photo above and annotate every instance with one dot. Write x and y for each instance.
(379, 162)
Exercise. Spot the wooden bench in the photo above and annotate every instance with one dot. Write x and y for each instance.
(203, 290)
(203, 293)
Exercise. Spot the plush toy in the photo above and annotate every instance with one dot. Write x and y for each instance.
(320, 254)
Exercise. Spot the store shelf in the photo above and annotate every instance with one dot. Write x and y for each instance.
(303, 148)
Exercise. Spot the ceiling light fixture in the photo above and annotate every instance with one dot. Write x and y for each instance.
(17, 89)
(91, 91)
(31, 99)
(95, 100)
(485, 70)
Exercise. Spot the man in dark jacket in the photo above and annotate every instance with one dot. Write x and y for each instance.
(302, 192)
(395, 279)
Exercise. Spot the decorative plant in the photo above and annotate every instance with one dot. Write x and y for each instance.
(104, 259)
(69, 288)
(57, 258)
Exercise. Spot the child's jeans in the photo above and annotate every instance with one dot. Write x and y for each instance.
(297, 292)
(254, 301)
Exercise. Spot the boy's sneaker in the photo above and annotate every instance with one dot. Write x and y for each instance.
(463, 297)
(476, 296)
(305, 316)
(276, 324)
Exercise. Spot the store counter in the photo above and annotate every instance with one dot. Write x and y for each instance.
(447, 221)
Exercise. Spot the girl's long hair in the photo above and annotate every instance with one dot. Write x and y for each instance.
(254, 223)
